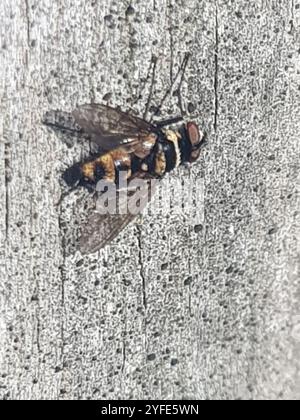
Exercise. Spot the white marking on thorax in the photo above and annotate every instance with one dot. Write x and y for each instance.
(172, 136)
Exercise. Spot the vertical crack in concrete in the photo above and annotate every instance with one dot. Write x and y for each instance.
(293, 15)
(124, 352)
(6, 176)
(124, 356)
(141, 265)
(38, 331)
(170, 30)
(216, 74)
(27, 21)
(62, 269)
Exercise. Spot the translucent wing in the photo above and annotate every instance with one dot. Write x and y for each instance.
(109, 127)
(100, 229)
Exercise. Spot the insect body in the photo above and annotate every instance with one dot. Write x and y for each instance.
(129, 147)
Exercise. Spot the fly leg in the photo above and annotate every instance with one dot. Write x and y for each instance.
(180, 73)
(170, 121)
(150, 73)
(154, 61)
(178, 90)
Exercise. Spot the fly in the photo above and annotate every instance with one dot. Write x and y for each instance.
(130, 149)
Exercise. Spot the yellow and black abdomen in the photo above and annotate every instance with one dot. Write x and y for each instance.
(168, 150)
(108, 166)
(105, 166)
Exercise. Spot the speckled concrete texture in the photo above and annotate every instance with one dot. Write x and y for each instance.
(174, 308)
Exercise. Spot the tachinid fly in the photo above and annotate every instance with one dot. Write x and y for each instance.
(129, 147)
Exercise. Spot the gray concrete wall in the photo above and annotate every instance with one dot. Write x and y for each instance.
(222, 312)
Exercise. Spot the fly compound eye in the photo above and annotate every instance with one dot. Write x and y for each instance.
(195, 155)
(193, 133)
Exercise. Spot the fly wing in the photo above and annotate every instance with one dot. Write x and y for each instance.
(110, 127)
(100, 229)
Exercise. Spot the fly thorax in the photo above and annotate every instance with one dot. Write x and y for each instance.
(184, 145)
(174, 138)
(160, 161)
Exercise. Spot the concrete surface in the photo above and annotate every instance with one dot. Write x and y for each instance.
(169, 310)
